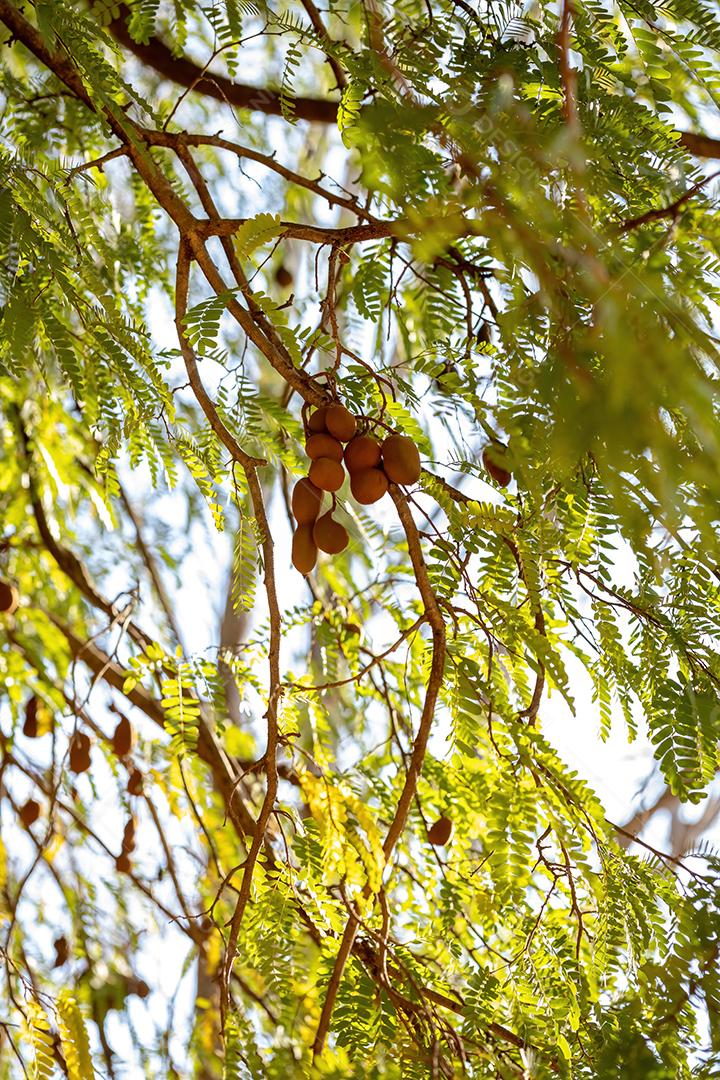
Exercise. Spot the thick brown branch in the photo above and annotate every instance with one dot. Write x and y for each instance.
(567, 72)
(185, 73)
(174, 140)
(204, 400)
(319, 27)
(315, 234)
(700, 145)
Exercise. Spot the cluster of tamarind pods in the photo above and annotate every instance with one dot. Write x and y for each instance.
(334, 445)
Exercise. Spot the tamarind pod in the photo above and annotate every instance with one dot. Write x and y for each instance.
(305, 501)
(29, 813)
(492, 459)
(322, 445)
(316, 421)
(327, 474)
(329, 535)
(362, 452)
(122, 738)
(440, 832)
(340, 422)
(9, 598)
(304, 550)
(401, 459)
(368, 485)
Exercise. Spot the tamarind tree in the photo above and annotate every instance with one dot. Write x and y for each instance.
(257, 822)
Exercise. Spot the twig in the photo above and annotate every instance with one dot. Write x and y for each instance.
(249, 466)
(670, 211)
(434, 617)
(363, 671)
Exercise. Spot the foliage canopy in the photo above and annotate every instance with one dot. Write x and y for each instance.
(486, 225)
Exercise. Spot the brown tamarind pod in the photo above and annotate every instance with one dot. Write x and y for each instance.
(306, 499)
(122, 738)
(138, 986)
(9, 598)
(38, 718)
(304, 550)
(128, 841)
(316, 422)
(135, 783)
(80, 752)
(79, 763)
(368, 485)
(329, 535)
(340, 422)
(122, 863)
(494, 458)
(29, 813)
(322, 445)
(30, 727)
(440, 832)
(283, 276)
(62, 951)
(401, 459)
(327, 474)
(362, 452)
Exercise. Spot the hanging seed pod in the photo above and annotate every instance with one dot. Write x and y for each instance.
(122, 739)
(316, 422)
(122, 863)
(440, 832)
(135, 782)
(128, 841)
(62, 951)
(306, 500)
(340, 422)
(9, 598)
(38, 718)
(283, 276)
(495, 460)
(80, 752)
(30, 727)
(322, 445)
(327, 474)
(368, 485)
(304, 550)
(137, 986)
(362, 452)
(29, 813)
(401, 460)
(329, 535)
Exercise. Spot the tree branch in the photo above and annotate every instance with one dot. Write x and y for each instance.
(249, 466)
(670, 211)
(437, 625)
(156, 55)
(700, 145)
